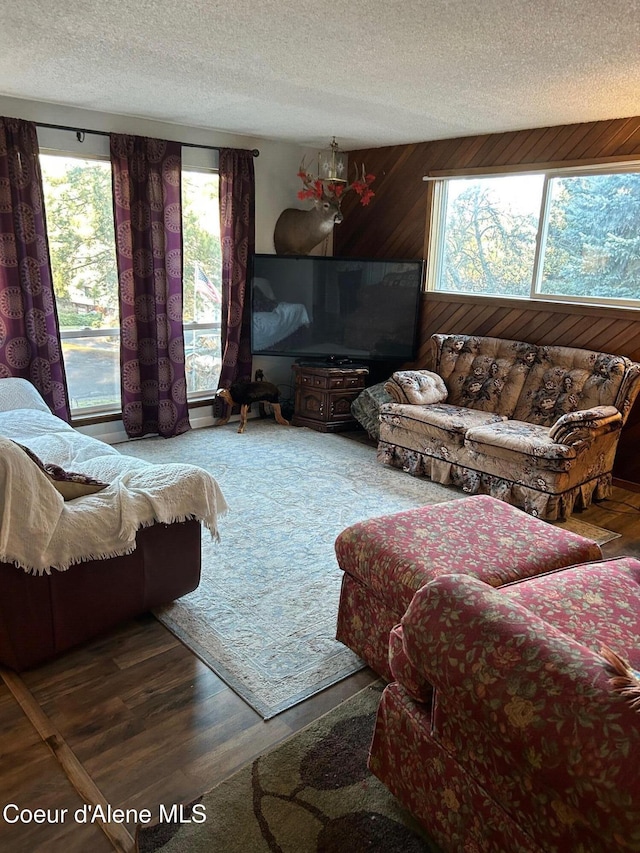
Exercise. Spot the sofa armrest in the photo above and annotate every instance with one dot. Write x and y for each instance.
(416, 387)
(395, 391)
(511, 672)
(586, 424)
(403, 670)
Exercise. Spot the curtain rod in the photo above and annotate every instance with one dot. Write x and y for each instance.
(81, 131)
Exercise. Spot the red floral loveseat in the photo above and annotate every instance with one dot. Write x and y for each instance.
(506, 729)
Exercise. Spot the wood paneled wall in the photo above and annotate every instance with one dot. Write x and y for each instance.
(395, 223)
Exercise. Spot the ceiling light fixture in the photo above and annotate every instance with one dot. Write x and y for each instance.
(332, 164)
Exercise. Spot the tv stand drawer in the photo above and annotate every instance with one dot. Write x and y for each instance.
(332, 381)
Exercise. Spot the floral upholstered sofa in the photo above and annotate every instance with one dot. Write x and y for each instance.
(511, 725)
(536, 426)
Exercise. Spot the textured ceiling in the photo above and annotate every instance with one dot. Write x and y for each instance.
(369, 72)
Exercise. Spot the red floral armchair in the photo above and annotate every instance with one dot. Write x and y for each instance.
(506, 729)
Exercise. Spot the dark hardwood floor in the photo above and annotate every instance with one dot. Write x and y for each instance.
(137, 719)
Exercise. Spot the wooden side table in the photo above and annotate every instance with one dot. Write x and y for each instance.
(323, 396)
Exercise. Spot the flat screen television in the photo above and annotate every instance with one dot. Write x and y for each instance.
(335, 309)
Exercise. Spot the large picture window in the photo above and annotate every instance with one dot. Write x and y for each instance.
(563, 236)
(79, 213)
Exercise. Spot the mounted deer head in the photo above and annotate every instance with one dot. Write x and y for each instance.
(297, 232)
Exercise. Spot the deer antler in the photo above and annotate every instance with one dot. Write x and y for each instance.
(360, 179)
(361, 185)
(305, 175)
(313, 187)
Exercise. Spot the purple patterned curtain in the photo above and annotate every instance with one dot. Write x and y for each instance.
(147, 180)
(237, 232)
(29, 334)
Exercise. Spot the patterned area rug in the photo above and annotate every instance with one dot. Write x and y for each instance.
(590, 531)
(264, 615)
(312, 794)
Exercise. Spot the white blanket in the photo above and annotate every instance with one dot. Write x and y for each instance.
(40, 531)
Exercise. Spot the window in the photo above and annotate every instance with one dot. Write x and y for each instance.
(202, 281)
(83, 261)
(81, 239)
(564, 236)
(592, 239)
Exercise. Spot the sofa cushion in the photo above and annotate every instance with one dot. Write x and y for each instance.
(515, 439)
(564, 379)
(595, 604)
(441, 421)
(483, 373)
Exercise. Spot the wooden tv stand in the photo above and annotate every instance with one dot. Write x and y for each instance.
(323, 396)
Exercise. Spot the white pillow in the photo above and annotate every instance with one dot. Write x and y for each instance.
(421, 387)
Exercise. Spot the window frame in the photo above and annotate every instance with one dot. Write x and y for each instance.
(437, 231)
